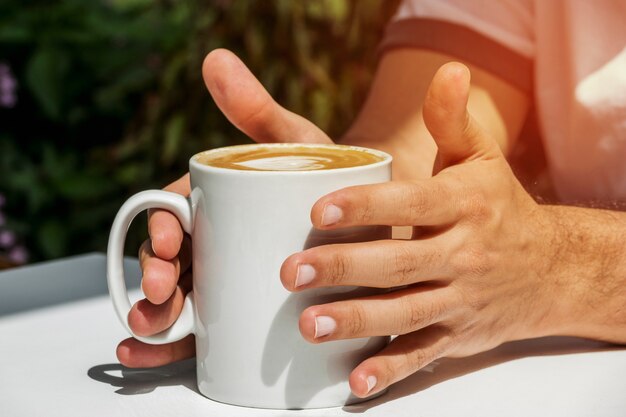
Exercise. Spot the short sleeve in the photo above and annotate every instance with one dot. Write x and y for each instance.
(497, 36)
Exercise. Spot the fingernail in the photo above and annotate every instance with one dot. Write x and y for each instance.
(371, 383)
(331, 215)
(324, 326)
(304, 275)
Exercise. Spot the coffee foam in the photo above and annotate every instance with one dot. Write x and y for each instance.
(287, 163)
(288, 157)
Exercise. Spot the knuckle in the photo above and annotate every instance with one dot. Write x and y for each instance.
(473, 260)
(417, 202)
(415, 359)
(413, 317)
(403, 267)
(434, 312)
(478, 263)
(475, 205)
(357, 321)
(388, 370)
(339, 270)
(469, 301)
(419, 315)
(365, 211)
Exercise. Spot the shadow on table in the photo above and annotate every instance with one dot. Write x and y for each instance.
(142, 381)
(446, 369)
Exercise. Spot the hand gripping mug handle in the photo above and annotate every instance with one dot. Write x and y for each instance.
(181, 208)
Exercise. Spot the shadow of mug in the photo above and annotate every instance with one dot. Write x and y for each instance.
(135, 381)
(286, 350)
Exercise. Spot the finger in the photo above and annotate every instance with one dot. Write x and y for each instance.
(378, 264)
(399, 312)
(429, 202)
(248, 106)
(164, 229)
(146, 319)
(160, 276)
(404, 356)
(135, 354)
(456, 133)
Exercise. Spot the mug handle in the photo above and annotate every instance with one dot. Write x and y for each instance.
(182, 209)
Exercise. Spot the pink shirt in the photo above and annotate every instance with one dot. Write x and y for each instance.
(569, 55)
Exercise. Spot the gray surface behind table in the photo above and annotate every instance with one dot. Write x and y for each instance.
(55, 282)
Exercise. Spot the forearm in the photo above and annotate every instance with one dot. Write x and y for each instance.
(585, 263)
(391, 117)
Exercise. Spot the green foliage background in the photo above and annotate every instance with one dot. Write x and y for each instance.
(111, 99)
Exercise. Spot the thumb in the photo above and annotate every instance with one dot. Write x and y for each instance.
(244, 101)
(458, 136)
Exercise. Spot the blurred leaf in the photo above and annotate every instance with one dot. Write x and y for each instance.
(255, 42)
(294, 95)
(55, 165)
(110, 96)
(85, 187)
(128, 148)
(52, 238)
(45, 75)
(124, 5)
(176, 66)
(283, 8)
(336, 9)
(27, 181)
(173, 138)
(315, 9)
(15, 34)
(130, 173)
(322, 108)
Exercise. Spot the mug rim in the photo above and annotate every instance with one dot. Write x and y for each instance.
(193, 161)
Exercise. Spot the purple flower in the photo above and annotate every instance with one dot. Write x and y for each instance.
(8, 100)
(3, 219)
(8, 87)
(18, 255)
(7, 238)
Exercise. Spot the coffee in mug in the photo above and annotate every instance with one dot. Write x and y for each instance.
(288, 157)
(249, 209)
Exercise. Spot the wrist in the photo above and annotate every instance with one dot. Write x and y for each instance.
(550, 270)
(538, 313)
(582, 273)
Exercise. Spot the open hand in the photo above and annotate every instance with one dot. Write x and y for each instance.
(166, 256)
(471, 277)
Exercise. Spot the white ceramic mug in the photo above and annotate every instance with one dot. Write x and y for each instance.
(244, 224)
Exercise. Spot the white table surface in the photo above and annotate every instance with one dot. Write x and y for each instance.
(59, 360)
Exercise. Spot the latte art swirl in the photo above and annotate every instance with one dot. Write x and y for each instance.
(288, 157)
(287, 163)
